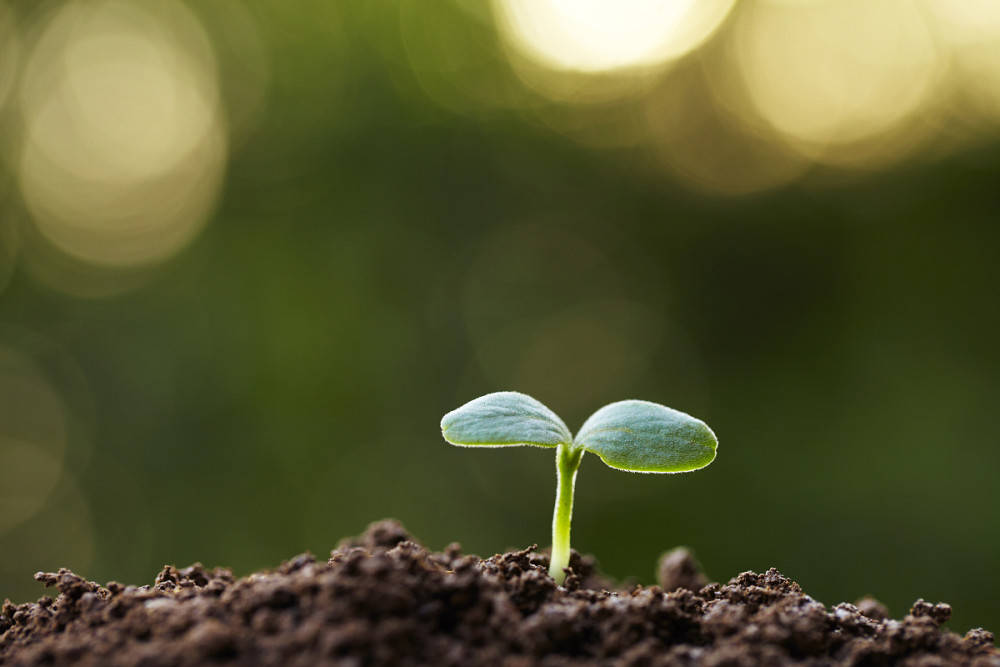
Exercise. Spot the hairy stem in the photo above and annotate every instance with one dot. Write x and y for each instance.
(567, 463)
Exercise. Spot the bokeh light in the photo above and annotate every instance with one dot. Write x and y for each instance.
(836, 73)
(9, 52)
(972, 31)
(594, 36)
(972, 21)
(33, 438)
(593, 53)
(124, 143)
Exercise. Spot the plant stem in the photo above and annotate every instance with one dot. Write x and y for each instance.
(567, 463)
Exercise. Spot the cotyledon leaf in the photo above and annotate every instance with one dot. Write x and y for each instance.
(504, 418)
(641, 436)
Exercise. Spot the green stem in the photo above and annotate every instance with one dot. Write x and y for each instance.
(567, 463)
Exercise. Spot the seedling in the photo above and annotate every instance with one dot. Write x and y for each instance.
(637, 436)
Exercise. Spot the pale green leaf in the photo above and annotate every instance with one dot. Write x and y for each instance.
(504, 418)
(640, 436)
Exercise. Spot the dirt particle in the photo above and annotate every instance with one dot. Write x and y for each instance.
(979, 637)
(939, 613)
(872, 608)
(679, 569)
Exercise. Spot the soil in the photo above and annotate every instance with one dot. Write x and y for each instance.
(381, 599)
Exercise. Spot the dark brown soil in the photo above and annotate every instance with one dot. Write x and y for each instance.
(384, 600)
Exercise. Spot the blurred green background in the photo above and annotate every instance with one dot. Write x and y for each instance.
(251, 252)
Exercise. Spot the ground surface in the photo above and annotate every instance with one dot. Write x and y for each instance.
(382, 599)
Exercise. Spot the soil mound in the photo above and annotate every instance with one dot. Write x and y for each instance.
(381, 599)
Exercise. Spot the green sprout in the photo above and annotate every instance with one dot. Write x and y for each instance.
(637, 436)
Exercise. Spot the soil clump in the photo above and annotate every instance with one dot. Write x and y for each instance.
(382, 599)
